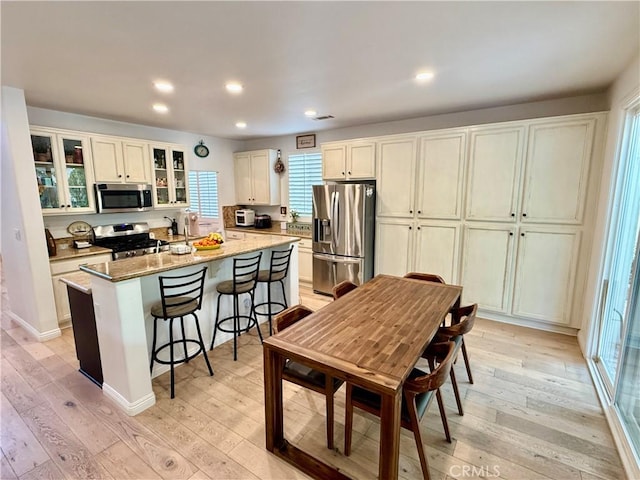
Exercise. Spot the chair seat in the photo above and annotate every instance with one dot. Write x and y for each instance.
(308, 375)
(175, 311)
(263, 275)
(226, 287)
(372, 400)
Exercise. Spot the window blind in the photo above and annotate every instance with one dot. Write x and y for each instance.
(305, 170)
(203, 193)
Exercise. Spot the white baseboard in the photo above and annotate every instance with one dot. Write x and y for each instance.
(630, 462)
(538, 325)
(129, 408)
(40, 336)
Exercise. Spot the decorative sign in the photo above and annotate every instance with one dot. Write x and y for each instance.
(306, 141)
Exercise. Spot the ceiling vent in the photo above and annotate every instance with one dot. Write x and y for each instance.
(324, 117)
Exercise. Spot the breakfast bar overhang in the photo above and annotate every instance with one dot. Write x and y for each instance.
(124, 290)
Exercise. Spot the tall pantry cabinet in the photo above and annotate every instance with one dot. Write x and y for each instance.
(505, 210)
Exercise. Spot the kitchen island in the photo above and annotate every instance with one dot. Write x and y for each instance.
(124, 291)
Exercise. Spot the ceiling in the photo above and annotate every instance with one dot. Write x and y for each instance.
(353, 60)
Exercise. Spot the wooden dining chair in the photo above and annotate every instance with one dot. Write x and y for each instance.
(462, 320)
(343, 288)
(417, 393)
(304, 376)
(425, 277)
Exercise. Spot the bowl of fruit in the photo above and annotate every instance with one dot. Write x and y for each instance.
(210, 242)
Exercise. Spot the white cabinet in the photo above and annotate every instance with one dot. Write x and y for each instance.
(305, 260)
(65, 178)
(58, 270)
(353, 160)
(487, 265)
(441, 165)
(256, 182)
(396, 166)
(545, 273)
(394, 243)
(170, 176)
(557, 171)
(437, 249)
(495, 159)
(120, 160)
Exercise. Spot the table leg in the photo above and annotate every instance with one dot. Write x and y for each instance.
(274, 427)
(390, 435)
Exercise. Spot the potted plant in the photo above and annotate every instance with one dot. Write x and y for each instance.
(294, 216)
(41, 149)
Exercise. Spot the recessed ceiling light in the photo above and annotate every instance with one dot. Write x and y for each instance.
(163, 86)
(310, 113)
(423, 76)
(241, 125)
(234, 87)
(160, 108)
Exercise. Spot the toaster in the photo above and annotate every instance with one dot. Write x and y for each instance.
(245, 218)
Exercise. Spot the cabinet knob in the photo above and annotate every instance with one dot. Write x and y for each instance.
(524, 214)
(410, 211)
(342, 173)
(418, 228)
(419, 211)
(522, 234)
(513, 214)
(349, 173)
(511, 234)
(119, 176)
(68, 206)
(409, 227)
(128, 176)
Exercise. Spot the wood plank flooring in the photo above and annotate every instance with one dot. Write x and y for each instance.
(531, 414)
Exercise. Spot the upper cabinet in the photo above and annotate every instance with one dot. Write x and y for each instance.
(396, 176)
(120, 160)
(256, 182)
(63, 170)
(354, 160)
(170, 176)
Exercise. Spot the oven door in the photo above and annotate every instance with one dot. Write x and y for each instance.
(113, 198)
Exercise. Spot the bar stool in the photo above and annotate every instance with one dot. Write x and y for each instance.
(245, 276)
(277, 272)
(181, 295)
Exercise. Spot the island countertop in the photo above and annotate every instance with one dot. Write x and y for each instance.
(150, 264)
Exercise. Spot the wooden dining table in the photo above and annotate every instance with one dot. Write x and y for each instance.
(371, 337)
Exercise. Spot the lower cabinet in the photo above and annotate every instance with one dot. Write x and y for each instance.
(305, 261)
(58, 270)
(394, 241)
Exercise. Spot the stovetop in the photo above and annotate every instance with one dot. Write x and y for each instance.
(127, 240)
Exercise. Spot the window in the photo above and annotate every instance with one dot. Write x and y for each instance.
(203, 193)
(305, 170)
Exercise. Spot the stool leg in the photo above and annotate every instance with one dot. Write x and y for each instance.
(255, 316)
(284, 294)
(268, 307)
(204, 351)
(184, 340)
(173, 393)
(153, 345)
(215, 325)
(236, 327)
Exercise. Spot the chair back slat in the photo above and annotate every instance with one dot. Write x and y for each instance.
(245, 272)
(178, 290)
(440, 357)
(280, 262)
(290, 316)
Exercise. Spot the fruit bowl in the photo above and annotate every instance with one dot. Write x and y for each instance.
(207, 247)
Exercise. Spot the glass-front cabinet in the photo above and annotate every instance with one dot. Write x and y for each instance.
(63, 171)
(170, 182)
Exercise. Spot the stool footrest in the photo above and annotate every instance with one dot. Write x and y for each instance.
(177, 344)
(252, 322)
(282, 306)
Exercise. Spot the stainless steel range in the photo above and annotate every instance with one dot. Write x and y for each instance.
(127, 239)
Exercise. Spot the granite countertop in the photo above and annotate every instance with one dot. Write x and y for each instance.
(79, 280)
(134, 267)
(274, 230)
(64, 251)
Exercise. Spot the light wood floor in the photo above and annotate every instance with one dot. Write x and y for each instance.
(532, 414)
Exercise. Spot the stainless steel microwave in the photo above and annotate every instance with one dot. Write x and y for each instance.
(123, 197)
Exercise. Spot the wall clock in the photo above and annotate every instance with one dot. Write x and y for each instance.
(201, 149)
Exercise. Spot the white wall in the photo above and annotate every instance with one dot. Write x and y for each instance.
(219, 159)
(624, 88)
(25, 261)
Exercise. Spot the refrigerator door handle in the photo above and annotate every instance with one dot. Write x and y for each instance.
(333, 259)
(334, 220)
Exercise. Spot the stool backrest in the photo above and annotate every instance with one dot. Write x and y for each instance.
(245, 272)
(279, 264)
(179, 290)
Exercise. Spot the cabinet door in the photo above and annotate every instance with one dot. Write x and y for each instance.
(242, 176)
(441, 166)
(361, 163)
(394, 241)
(437, 249)
(334, 159)
(545, 273)
(305, 264)
(396, 165)
(136, 162)
(78, 178)
(49, 172)
(107, 160)
(261, 177)
(494, 174)
(179, 181)
(486, 266)
(557, 171)
(63, 310)
(160, 180)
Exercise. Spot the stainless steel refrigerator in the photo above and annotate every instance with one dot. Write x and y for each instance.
(343, 231)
